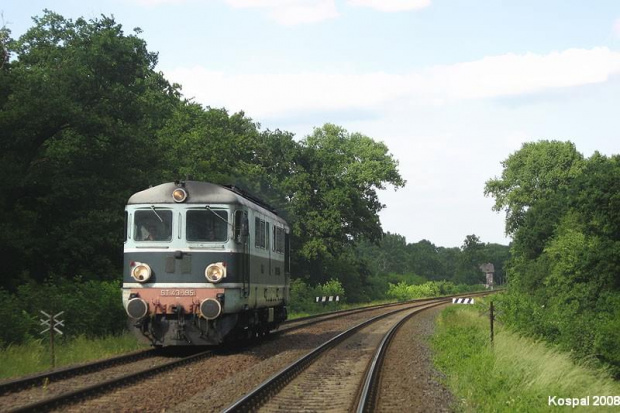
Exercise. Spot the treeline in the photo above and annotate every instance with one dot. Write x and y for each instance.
(563, 212)
(86, 121)
(394, 269)
(461, 265)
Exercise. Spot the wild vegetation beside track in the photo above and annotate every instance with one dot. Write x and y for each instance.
(563, 213)
(515, 373)
(34, 356)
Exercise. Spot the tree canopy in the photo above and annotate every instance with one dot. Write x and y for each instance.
(531, 174)
(80, 106)
(423, 260)
(338, 178)
(86, 120)
(563, 212)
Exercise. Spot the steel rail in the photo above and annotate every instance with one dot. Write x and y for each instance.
(64, 373)
(99, 388)
(68, 372)
(386, 305)
(368, 394)
(268, 388)
(318, 318)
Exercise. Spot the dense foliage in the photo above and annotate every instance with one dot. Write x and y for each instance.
(393, 255)
(80, 103)
(564, 213)
(91, 308)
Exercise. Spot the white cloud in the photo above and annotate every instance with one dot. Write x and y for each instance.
(270, 95)
(292, 12)
(513, 74)
(391, 5)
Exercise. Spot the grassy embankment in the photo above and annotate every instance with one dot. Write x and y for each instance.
(34, 357)
(514, 374)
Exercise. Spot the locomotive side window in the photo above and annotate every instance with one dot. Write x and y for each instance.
(207, 225)
(281, 244)
(153, 225)
(261, 233)
(257, 232)
(278, 239)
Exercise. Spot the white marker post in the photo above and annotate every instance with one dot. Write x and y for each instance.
(52, 323)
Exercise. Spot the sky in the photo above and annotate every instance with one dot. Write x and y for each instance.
(452, 87)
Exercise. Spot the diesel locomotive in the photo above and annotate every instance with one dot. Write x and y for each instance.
(203, 263)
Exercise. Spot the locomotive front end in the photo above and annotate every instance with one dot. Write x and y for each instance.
(187, 266)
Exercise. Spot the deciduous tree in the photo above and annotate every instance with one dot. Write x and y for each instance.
(80, 103)
(533, 173)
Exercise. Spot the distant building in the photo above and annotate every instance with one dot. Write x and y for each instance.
(488, 269)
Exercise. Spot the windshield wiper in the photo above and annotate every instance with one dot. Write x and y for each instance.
(217, 215)
(156, 214)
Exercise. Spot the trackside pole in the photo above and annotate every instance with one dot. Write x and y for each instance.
(491, 317)
(52, 323)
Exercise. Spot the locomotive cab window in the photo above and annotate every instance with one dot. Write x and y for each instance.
(152, 225)
(207, 225)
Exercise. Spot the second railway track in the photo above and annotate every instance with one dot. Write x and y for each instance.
(332, 377)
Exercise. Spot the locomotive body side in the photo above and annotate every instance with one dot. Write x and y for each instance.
(207, 266)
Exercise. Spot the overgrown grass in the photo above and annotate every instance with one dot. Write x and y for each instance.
(515, 373)
(34, 356)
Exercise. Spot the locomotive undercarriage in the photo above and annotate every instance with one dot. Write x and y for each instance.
(182, 329)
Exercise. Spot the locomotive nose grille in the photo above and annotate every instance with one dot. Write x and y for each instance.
(210, 308)
(137, 308)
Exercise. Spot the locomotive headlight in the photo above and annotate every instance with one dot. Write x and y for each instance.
(179, 195)
(210, 308)
(141, 272)
(215, 272)
(137, 308)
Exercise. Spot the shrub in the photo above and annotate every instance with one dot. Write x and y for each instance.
(403, 291)
(17, 324)
(303, 296)
(90, 308)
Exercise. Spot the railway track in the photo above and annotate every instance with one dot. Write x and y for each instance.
(68, 372)
(65, 386)
(340, 375)
(69, 385)
(290, 325)
(74, 385)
